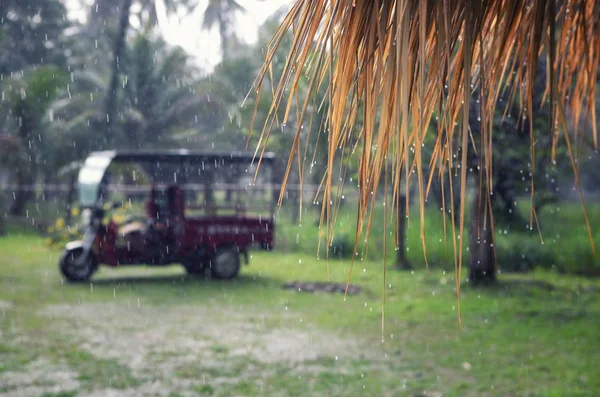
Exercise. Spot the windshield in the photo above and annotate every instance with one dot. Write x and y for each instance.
(90, 178)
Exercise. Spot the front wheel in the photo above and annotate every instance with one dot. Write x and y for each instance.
(225, 264)
(74, 269)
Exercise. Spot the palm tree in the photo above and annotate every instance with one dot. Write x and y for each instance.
(400, 63)
(147, 14)
(149, 7)
(221, 13)
(218, 12)
(161, 98)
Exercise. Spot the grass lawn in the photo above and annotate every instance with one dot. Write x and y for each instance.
(141, 331)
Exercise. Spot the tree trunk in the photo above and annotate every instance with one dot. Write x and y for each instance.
(294, 198)
(25, 181)
(224, 36)
(70, 197)
(25, 174)
(402, 262)
(118, 51)
(22, 196)
(482, 267)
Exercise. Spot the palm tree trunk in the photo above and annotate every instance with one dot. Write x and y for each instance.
(224, 37)
(25, 174)
(482, 267)
(118, 51)
(23, 194)
(402, 262)
(70, 197)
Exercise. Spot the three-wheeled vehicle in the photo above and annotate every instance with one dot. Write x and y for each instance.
(202, 210)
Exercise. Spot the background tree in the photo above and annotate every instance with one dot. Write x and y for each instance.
(118, 53)
(162, 97)
(222, 13)
(31, 33)
(30, 98)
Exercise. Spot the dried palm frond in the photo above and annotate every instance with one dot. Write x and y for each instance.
(395, 64)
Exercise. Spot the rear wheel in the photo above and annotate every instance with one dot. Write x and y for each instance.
(225, 263)
(75, 270)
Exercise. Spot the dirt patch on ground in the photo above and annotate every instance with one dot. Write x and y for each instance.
(313, 287)
(5, 305)
(131, 334)
(173, 348)
(40, 376)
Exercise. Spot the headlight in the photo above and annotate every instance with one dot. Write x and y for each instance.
(86, 216)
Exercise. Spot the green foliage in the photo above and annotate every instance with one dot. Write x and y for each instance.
(59, 233)
(566, 246)
(31, 93)
(342, 246)
(31, 33)
(158, 105)
(518, 248)
(29, 97)
(60, 394)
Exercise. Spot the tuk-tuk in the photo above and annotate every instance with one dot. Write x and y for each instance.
(202, 210)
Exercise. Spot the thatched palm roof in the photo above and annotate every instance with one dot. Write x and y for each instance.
(396, 64)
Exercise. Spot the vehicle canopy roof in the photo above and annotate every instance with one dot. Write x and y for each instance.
(93, 173)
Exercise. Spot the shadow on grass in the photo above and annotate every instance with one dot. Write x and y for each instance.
(180, 288)
(242, 281)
